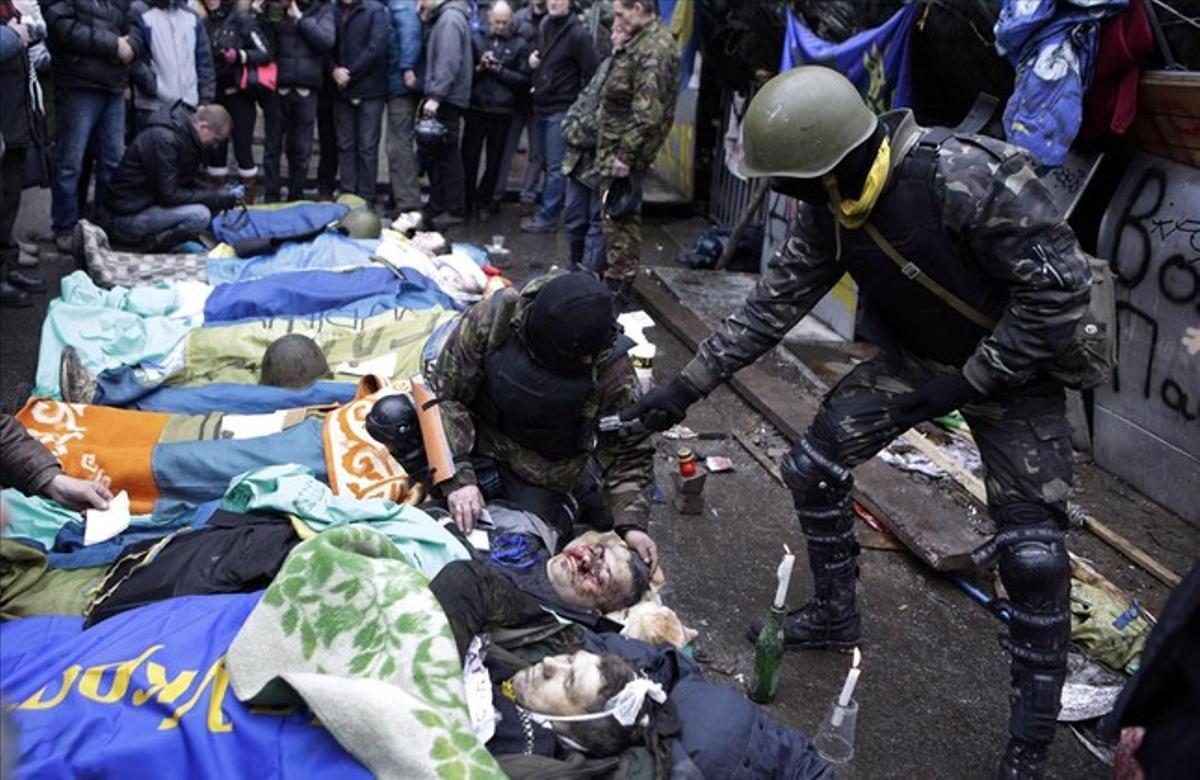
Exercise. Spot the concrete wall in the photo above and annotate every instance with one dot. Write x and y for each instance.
(1147, 423)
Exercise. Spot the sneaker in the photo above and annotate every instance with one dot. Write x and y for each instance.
(29, 247)
(535, 225)
(12, 298)
(23, 281)
(75, 382)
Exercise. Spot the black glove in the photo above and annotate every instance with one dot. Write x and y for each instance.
(663, 407)
(935, 398)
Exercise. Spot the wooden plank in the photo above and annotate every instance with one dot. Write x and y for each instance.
(1168, 119)
(927, 520)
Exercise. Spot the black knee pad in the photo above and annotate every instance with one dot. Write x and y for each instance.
(1034, 565)
(815, 479)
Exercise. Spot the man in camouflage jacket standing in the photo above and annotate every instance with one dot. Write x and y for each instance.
(523, 380)
(637, 109)
(582, 215)
(972, 213)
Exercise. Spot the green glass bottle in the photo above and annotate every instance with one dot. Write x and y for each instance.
(768, 657)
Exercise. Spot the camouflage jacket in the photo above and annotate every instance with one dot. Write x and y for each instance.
(996, 213)
(637, 107)
(581, 129)
(458, 376)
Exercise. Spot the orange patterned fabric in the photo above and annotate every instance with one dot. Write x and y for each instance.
(113, 446)
(358, 465)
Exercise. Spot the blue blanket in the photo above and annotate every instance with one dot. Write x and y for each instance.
(145, 694)
(327, 251)
(286, 222)
(121, 387)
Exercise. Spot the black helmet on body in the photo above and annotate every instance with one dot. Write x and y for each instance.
(393, 423)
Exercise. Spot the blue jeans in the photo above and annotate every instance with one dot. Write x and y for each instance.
(585, 226)
(158, 228)
(82, 115)
(554, 148)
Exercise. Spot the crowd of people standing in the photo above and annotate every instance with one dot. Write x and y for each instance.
(462, 84)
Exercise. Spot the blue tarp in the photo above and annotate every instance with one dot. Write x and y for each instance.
(876, 60)
(308, 292)
(299, 219)
(145, 694)
(328, 251)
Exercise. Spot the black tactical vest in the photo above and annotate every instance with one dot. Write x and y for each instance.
(535, 407)
(909, 215)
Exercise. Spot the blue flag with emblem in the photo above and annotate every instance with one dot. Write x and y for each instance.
(875, 60)
(145, 694)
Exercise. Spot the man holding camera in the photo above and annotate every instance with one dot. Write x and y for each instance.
(305, 33)
(16, 135)
(499, 77)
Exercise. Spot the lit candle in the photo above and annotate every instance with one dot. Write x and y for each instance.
(784, 573)
(851, 680)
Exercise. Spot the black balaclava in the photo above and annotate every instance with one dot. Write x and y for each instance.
(570, 318)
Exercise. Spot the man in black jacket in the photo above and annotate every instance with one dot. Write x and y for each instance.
(448, 76)
(154, 202)
(303, 38)
(563, 63)
(92, 45)
(360, 63)
(499, 76)
(16, 135)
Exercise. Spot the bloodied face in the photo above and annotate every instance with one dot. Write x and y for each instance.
(597, 571)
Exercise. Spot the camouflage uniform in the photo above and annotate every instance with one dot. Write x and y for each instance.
(627, 464)
(1003, 239)
(637, 110)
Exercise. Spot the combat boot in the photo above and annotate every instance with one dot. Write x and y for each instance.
(1023, 761)
(622, 291)
(830, 620)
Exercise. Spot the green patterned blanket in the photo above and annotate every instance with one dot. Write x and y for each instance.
(354, 631)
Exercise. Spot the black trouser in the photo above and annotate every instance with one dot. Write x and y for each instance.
(243, 109)
(297, 115)
(359, 124)
(498, 482)
(327, 145)
(12, 173)
(483, 128)
(447, 182)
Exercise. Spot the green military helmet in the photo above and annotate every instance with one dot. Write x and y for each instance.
(802, 123)
(360, 223)
(293, 361)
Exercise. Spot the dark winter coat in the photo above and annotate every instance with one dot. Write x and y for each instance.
(161, 166)
(301, 47)
(404, 53)
(568, 62)
(242, 31)
(82, 37)
(498, 93)
(448, 65)
(362, 48)
(15, 120)
(25, 464)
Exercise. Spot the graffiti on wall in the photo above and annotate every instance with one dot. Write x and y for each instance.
(1152, 234)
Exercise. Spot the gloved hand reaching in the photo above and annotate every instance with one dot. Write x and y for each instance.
(933, 399)
(663, 407)
(236, 191)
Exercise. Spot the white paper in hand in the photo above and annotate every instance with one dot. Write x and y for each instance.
(103, 524)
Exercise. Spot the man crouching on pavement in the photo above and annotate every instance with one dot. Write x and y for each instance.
(523, 381)
(154, 201)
